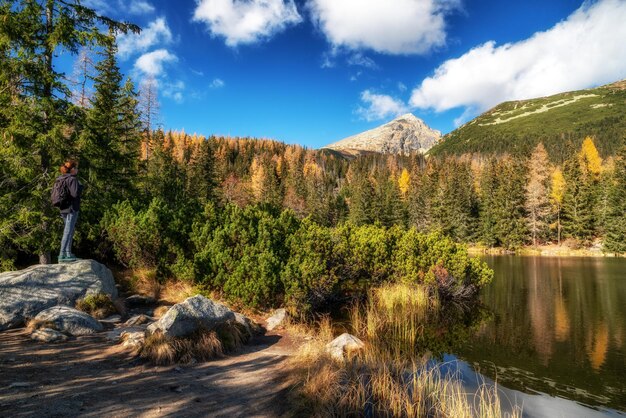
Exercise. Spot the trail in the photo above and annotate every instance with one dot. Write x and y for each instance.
(93, 377)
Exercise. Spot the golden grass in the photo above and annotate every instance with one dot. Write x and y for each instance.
(380, 380)
(98, 305)
(200, 346)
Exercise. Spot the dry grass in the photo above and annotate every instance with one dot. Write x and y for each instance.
(35, 324)
(384, 382)
(200, 346)
(98, 305)
(140, 281)
(176, 291)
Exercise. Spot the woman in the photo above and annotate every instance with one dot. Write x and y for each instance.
(70, 207)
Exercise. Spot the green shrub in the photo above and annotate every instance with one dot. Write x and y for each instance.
(98, 305)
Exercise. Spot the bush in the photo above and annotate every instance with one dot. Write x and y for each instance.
(98, 305)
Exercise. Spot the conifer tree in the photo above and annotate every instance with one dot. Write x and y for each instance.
(510, 225)
(109, 144)
(616, 220)
(38, 126)
(487, 215)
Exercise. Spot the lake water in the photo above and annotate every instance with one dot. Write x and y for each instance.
(555, 334)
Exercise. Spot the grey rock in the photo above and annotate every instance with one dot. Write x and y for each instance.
(48, 335)
(343, 344)
(134, 301)
(194, 313)
(138, 320)
(25, 293)
(249, 325)
(403, 135)
(111, 320)
(133, 338)
(69, 320)
(277, 319)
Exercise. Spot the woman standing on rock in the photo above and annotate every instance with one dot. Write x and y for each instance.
(66, 196)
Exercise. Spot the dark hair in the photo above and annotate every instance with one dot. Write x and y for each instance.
(68, 166)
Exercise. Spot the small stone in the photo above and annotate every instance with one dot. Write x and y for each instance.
(138, 320)
(113, 319)
(277, 319)
(345, 343)
(47, 335)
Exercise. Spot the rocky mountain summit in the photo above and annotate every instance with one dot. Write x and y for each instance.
(403, 135)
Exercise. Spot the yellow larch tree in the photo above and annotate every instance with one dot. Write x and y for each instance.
(404, 183)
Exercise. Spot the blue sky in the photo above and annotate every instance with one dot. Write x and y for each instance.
(315, 71)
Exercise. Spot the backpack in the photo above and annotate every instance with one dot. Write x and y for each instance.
(60, 194)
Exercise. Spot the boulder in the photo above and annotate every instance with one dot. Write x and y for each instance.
(25, 293)
(249, 325)
(345, 343)
(194, 313)
(47, 335)
(277, 319)
(68, 320)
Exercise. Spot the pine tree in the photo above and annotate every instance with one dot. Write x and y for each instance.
(487, 214)
(510, 225)
(537, 199)
(616, 220)
(109, 144)
(38, 126)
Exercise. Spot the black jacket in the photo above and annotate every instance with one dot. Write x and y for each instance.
(76, 190)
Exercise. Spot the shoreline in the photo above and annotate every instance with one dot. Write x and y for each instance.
(543, 251)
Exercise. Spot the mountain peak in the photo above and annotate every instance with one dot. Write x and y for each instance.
(405, 134)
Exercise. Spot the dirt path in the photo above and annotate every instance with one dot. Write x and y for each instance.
(92, 377)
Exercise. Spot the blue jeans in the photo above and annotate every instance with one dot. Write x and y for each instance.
(68, 233)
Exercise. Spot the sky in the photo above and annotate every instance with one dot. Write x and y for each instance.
(313, 72)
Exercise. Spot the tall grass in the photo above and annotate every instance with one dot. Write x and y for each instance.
(389, 377)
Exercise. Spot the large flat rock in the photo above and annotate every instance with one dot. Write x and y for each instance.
(25, 293)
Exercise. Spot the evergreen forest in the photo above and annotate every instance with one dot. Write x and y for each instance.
(263, 222)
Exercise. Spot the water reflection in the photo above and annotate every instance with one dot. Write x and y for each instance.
(558, 328)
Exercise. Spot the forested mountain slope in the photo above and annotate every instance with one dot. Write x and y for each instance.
(560, 122)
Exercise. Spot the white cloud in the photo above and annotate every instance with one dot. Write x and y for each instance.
(389, 26)
(157, 32)
(586, 49)
(151, 63)
(174, 90)
(138, 7)
(358, 59)
(217, 83)
(246, 21)
(380, 106)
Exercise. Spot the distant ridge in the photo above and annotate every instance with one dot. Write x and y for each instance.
(560, 121)
(403, 135)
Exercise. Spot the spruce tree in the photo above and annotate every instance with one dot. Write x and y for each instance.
(38, 127)
(109, 144)
(616, 220)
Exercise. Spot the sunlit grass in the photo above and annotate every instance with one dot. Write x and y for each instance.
(388, 378)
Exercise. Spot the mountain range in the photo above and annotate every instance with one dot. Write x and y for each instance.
(560, 121)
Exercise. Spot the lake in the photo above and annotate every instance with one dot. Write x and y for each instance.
(555, 335)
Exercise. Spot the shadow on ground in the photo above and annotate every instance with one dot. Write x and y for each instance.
(92, 377)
